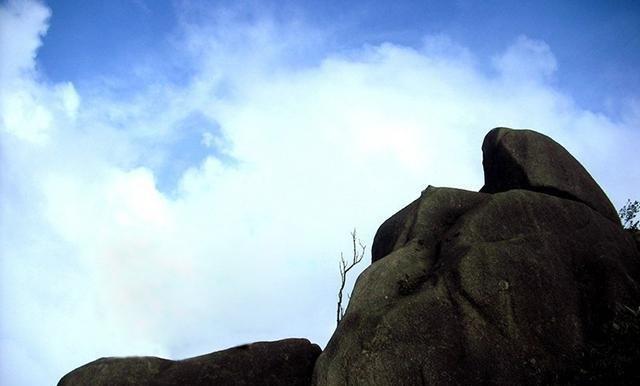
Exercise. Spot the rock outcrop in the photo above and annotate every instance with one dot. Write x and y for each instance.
(530, 281)
(285, 362)
(524, 159)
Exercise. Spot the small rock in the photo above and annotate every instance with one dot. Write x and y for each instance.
(284, 362)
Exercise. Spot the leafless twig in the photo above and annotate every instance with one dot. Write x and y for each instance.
(344, 268)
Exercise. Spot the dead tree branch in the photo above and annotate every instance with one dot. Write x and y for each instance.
(344, 268)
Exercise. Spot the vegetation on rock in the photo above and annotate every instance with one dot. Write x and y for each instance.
(628, 214)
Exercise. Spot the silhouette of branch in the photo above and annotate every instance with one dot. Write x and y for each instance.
(345, 268)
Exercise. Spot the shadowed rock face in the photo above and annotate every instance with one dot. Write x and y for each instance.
(285, 362)
(524, 159)
(529, 282)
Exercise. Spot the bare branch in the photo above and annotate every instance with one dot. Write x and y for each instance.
(344, 269)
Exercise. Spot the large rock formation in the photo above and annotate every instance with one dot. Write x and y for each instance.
(285, 362)
(530, 281)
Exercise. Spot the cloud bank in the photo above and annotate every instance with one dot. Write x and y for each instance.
(198, 213)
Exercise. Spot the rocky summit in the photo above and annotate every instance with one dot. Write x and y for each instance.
(530, 281)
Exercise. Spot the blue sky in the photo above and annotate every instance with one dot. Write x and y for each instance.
(180, 177)
(593, 40)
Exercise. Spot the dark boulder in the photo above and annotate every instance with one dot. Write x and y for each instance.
(636, 236)
(522, 286)
(525, 159)
(444, 207)
(284, 362)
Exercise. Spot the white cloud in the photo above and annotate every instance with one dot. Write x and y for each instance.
(28, 110)
(527, 60)
(242, 251)
(22, 24)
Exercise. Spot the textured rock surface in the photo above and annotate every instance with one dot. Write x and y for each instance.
(284, 362)
(525, 159)
(521, 286)
(636, 237)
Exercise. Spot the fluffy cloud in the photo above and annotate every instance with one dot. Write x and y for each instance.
(23, 25)
(293, 144)
(27, 110)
